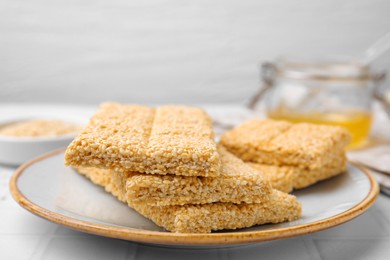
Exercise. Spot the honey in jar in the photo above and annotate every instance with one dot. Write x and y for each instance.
(332, 92)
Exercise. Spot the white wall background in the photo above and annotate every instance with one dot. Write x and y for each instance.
(177, 51)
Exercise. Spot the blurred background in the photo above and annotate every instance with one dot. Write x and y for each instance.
(60, 58)
(169, 51)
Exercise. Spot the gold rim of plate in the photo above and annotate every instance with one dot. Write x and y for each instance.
(168, 238)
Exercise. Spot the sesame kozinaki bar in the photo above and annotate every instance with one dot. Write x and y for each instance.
(168, 139)
(287, 178)
(271, 142)
(204, 218)
(237, 183)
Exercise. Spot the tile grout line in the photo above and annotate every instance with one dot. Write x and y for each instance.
(311, 248)
(222, 254)
(382, 216)
(43, 244)
(132, 252)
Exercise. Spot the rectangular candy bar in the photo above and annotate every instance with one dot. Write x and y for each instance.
(237, 183)
(303, 145)
(287, 178)
(204, 218)
(165, 140)
(280, 177)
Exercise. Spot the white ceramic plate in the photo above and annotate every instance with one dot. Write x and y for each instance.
(47, 188)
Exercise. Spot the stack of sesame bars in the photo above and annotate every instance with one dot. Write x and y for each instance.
(291, 156)
(164, 163)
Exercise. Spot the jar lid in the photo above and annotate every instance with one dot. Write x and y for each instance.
(332, 69)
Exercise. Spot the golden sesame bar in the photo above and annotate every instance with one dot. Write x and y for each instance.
(280, 177)
(204, 218)
(166, 140)
(287, 178)
(304, 178)
(274, 142)
(237, 183)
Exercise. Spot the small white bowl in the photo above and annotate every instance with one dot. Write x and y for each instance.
(18, 150)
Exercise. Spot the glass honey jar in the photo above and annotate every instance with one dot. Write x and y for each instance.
(332, 92)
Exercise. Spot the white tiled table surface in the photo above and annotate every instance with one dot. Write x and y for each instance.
(26, 236)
